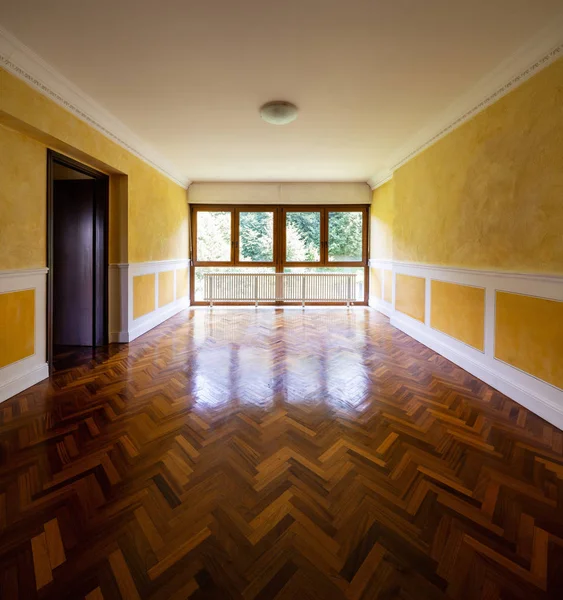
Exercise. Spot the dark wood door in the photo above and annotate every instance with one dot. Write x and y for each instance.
(73, 263)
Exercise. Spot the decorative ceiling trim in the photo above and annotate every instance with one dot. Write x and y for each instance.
(543, 50)
(25, 64)
(380, 178)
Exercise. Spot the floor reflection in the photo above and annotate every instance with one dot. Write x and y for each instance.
(265, 356)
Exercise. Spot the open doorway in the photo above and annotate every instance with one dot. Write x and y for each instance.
(77, 258)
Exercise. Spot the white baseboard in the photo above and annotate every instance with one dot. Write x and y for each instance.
(534, 394)
(150, 321)
(123, 326)
(380, 305)
(118, 337)
(538, 396)
(24, 381)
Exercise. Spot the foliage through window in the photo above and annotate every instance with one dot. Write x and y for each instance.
(345, 236)
(303, 236)
(213, 236)
(256, 235)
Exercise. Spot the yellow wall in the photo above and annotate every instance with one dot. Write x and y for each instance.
(158, 216)
(529, 335)
(459, 311)
(182, 279)
(381, 236)
(17, 333)
(488, 195)
(148, 217)
(410, 295)
(165, 288)
(23, 167)
(376, 283)
(143, 294)
(157, 211)
(381, 222)
(388, 285)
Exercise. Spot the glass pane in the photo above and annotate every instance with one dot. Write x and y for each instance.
(303, 236)
(256, 236)
(359, 271)
(213, 236)
(199, 292)
(345, 236)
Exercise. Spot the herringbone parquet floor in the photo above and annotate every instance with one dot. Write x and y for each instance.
(276, 454)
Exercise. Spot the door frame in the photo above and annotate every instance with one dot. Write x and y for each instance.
(100, 320)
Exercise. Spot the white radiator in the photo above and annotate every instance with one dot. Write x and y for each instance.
(279, 287)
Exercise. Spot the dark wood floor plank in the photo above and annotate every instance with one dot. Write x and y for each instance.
(276, 453)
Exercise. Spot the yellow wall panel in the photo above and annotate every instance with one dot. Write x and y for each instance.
(381, 221)
(165, 288)
(488, 195)
(143, 295)
(410, 295)
(182, 283)
(375, 283)
(23, 230)
(529, 335)
(459, 311)
(17, 333)
(388, 286)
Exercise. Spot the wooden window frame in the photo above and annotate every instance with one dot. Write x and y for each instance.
(193, 250)
(275, 226)
(279, 240)
(364, 209)
(283, 235)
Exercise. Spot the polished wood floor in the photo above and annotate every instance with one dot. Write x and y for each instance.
(280, 454)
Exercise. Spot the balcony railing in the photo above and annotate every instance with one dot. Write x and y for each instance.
(280, 287)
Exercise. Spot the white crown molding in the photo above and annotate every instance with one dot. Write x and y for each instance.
(380, 178)
(540, 52)
(25, 64)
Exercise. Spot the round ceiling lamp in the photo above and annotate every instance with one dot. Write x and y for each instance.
(278, 112)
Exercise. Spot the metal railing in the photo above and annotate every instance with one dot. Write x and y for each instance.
(279, 287)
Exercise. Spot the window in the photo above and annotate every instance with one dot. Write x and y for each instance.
(256, 236)
(345, 236)
(302, 236)
(213, 236)
(280, 239)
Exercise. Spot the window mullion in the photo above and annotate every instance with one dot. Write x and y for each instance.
(234, 235)
(324, 236)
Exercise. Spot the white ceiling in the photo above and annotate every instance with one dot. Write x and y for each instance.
(369, 76)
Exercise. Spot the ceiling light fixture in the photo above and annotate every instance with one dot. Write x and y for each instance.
(278, 112)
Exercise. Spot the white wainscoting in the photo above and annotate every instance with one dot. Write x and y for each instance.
(536, 395)
(123, 327)
(28, 371)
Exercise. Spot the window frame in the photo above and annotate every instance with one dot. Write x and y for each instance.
(364, 209)
(279, 261)
(284, 210)
(275, 225)
(193, 245)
